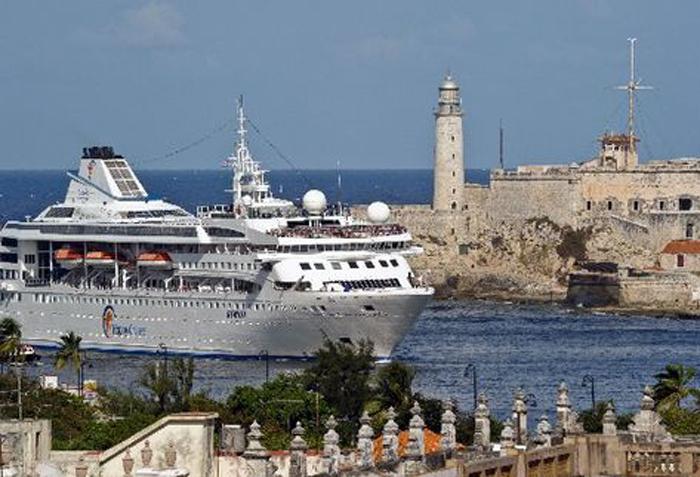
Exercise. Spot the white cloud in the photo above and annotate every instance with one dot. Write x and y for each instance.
(155, 24)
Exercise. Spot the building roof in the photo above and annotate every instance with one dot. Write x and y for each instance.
(682, 246)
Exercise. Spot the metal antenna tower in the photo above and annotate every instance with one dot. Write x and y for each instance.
(632, 87)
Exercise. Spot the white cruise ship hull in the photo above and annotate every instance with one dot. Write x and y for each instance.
(293, 327)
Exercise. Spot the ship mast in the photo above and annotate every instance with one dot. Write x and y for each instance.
(631, 87)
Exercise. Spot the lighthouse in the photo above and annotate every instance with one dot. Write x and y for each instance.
(449, 149)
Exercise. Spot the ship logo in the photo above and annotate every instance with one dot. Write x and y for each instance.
(91, 168)
(107, 321)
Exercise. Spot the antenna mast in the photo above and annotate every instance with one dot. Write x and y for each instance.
(631, 87)
(500, 143)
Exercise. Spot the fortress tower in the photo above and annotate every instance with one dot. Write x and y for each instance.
(449, 150)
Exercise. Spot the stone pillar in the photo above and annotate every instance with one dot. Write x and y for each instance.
(390, 439)
(365, 443)
(610, 421)
(482, 423)
(544, 432)
(416, 426)
(297, 453)
(520, 416)
(507, 437)
(448, 430)
(331, 449)
(567, 418)
(256, 456)
(413, 464)
(646, 424)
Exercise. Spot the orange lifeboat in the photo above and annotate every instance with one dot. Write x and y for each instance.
(67, 257)
(98, 258)
(154, 260)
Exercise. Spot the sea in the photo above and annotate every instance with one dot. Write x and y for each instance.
(510, 345)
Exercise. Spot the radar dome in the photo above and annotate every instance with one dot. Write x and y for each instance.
(314, 202)
(247, 200)
(378, 212)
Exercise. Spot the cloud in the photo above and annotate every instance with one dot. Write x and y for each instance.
(153, 25)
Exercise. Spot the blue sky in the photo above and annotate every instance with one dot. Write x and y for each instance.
(350, 81)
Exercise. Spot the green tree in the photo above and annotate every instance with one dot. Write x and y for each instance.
(673, 385)
(69, 355)
(393, 385)
(183, 381)
(157, 383)
(10, 339)
(341, 375)
(592, 419)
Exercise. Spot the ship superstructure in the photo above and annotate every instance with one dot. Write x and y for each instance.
(256, 275)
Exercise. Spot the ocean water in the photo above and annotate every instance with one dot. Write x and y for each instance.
(511, 345)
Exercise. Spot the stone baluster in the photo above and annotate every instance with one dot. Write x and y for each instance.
(146, 454)
(414, 456)
(390, 439)
(544, 432)
(365, 442)
(610, 421)
(127, 463)
(482, 423)
(331, 449)
(297, 451)
(81, 469)
(520, 416)
(507, 437)
(567, 418)
(256, 456)
(448, 430)
(170, 456)
(416, 426)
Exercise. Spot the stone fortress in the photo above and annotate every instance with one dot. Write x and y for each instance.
(524, 230)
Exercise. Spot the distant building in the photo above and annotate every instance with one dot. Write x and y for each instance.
(681, 255)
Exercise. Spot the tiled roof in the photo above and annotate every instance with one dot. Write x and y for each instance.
(682, 246)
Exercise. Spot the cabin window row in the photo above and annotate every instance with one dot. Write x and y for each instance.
(369, 284)
(8, 274)
(218, 266)
(351, 264)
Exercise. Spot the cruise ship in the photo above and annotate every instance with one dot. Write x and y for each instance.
(255, 276)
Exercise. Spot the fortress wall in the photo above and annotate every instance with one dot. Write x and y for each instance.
(648, 186)
(518, 198)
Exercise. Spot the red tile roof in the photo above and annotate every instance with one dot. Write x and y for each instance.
(682, 246)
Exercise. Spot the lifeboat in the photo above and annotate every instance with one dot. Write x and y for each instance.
(154, 260)
(98, 258)
(68, 258)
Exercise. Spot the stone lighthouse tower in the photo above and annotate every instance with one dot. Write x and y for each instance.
(449, 149)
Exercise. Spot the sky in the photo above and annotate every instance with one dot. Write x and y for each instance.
(328, 81)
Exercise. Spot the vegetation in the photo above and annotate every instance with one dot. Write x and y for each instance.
(592, 419)
(677, 400)
(69, 355)
(573, 243)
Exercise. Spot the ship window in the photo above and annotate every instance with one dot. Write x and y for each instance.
(335, 265)
(369, 264)
(394, 262)
(30, 259)
(353, 265)
(368, 307)
(319, 266)
(383, 263)
(305, 266)
(9, 242)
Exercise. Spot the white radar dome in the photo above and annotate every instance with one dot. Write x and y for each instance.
(247, 200)
(314, 202)
(378, 212)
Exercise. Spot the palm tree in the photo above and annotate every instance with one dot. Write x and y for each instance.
(69, 354)
(673, 386)
(10, 339)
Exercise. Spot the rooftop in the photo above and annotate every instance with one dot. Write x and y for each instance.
(682, 246)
